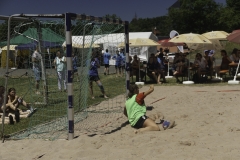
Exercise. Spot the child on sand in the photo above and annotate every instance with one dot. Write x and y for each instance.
(135, 110)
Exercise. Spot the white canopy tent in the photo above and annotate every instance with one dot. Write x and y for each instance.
(111, 42)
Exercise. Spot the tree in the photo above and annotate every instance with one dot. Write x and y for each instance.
(113, 16)
(145, 25)
(230, 15)
(196, 16)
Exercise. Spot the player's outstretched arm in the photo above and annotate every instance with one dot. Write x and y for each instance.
(151, 89)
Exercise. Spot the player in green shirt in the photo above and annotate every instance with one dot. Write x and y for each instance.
(135, 110)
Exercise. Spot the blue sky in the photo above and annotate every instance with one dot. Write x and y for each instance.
(125, 9)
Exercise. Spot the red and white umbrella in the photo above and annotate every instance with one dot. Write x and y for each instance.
(234, 36)
(166, 43)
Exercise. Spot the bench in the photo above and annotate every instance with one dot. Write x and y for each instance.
(223, 72)
(183, 75)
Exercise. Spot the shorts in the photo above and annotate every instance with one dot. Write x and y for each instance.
(118, 66)
(94, 78)
(36, 74)
(140, 122)
(106, 65)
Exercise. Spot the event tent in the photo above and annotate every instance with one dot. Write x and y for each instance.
(29, 40)
(142, 52)
(111, 42)
(33, 45)
(31, 35)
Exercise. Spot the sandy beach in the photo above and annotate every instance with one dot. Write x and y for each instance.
(207, 127)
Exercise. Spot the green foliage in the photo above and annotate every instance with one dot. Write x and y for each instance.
(197, 16)
(113, 16)
(145, 25)
(230, 15)
(234, 4)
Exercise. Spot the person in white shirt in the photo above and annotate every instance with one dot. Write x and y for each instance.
(36, 60)
(60, 65)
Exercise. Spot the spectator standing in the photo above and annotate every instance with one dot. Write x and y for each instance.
(119, 64)
(75, 68)
(60, 65)
(115, 58)
(123, 59)
(161, 68)
(123, 63)
(106, 58)
(36, 60)
(121, 52)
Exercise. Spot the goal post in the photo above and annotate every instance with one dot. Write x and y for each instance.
(68, 17)
(59, 112)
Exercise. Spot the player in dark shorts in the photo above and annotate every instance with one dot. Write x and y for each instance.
(93, 76)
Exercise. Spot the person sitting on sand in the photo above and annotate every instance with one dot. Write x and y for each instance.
(135, 110)
(8, 119)
(13, 103)
(2, 90)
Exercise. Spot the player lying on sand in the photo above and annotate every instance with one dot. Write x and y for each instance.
(135, 110)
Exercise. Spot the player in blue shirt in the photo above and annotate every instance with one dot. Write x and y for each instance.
(93, 76)
(118, 64)
(106, 58)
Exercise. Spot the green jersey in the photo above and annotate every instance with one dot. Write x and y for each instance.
(134, 110)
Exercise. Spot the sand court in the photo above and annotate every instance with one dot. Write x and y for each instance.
(207, 127)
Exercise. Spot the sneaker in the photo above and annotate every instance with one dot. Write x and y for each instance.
(11, 122)
(168, 124)
(17, 116)
(37, 92)
(31, 111)
(105, 96)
